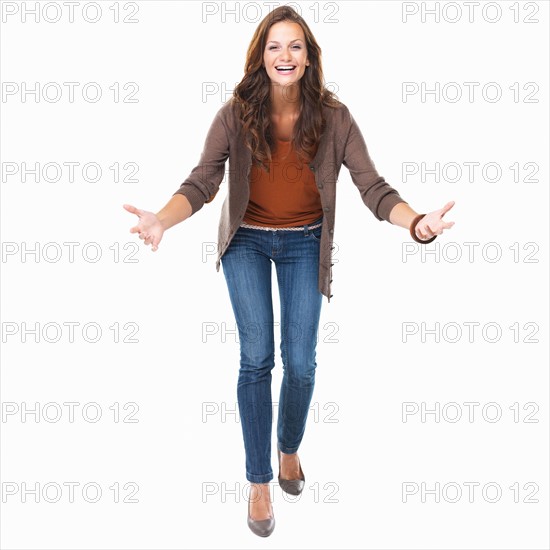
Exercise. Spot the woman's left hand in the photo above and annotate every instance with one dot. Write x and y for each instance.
(432, 224)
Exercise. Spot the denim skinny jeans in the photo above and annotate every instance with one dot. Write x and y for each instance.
(247, 270)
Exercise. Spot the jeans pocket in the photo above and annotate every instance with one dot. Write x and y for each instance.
(316, 233)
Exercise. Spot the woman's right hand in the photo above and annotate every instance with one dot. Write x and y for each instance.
(149, 227)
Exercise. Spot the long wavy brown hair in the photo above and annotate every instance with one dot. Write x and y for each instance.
(252, 94)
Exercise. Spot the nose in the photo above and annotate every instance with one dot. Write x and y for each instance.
(285, 55)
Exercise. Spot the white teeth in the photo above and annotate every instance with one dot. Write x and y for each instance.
(285, 67)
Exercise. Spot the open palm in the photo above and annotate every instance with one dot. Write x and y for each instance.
(149, 227)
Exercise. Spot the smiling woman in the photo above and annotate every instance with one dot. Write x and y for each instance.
(286, 137)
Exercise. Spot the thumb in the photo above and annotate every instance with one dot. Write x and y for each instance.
(133, 209)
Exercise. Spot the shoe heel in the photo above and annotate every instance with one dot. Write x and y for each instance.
(290, 486)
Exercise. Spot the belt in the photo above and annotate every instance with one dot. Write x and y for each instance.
(298, 228)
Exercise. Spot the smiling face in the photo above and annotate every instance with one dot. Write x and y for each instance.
(285, 54)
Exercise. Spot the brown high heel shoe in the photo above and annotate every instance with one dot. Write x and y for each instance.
(261, 527)
(291, 486)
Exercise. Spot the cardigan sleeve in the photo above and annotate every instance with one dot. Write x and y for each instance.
(203, 183)
(376, 193)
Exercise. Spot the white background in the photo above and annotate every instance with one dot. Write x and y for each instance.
(357, 452)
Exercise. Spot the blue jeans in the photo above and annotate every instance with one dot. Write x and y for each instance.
(247, 270)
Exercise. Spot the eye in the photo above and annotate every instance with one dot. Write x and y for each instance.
(294, 46)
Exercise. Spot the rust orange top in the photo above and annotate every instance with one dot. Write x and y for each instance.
(287, 196)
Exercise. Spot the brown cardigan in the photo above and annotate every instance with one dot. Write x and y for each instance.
(341, 143)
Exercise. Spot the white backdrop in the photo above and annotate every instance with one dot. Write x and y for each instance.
(429, 423)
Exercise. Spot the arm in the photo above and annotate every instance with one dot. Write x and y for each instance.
(176, 210)
(383, 200)
(376, 193)
(200, 187)
(202, 184)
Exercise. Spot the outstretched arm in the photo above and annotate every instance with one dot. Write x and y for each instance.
(200, 187)
(381, 198)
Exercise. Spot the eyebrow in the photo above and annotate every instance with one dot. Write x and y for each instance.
(275, 41)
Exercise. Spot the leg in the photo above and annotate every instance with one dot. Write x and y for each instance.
(247, 270)
(297, 273)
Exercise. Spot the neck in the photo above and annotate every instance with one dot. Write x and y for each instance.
(285, 100)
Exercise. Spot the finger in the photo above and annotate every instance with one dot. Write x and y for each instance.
(420, 234)
(448, 225)
(135, 229)
(428, 231)
(446, 208)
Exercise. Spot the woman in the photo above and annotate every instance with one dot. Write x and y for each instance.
(286, 137)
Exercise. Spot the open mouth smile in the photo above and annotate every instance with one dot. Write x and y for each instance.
(285, 69)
